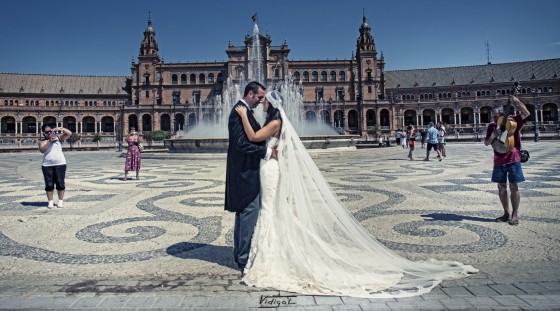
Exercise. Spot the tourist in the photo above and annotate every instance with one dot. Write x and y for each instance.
(441, 138)
(412, 139)
(507, 166)
(432, 142)
(54, 162)
(423, 134)
(133, 158)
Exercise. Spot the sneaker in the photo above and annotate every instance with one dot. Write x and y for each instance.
(50, 206)
(441, 159)
(426, 159)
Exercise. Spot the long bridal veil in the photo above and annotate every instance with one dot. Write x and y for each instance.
(319, 248)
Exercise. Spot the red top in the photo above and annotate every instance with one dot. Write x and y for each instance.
(514, 156)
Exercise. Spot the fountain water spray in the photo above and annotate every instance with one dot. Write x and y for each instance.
(291, 91)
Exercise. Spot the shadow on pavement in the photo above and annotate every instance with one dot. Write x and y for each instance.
(35, 204)
(454, 217)
(219, 254)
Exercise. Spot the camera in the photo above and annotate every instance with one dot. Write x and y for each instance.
(53, 134)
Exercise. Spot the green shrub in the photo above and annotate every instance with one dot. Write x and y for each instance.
(147, 136)
(74, 138)
(161, 135)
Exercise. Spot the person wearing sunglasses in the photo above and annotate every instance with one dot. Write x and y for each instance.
(54, 162)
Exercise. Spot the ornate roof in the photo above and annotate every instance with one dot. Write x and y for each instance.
(59, 84)
(480, 74)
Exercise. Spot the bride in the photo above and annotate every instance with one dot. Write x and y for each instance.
(307, 242)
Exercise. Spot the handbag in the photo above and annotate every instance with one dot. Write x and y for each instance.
(141, 147)
(524, 155)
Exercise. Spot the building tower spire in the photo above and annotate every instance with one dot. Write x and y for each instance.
(149, 46)
(365, 41)
(369, 73)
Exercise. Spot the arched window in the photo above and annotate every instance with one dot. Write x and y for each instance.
(352, 119)
(477, 93)
(107, 124)
(165, 122)
(132, 122)
(323, 76)
(305, 76)
(333, 75)
(202, 79)
(193, 78)
(210, 78)
(310, 116)
(296, 76)
(439, 95)
(147, 123)
(174, 79)
(315, 76)
(342, 76)
(183, 79)
(88, 124)
(421, 96)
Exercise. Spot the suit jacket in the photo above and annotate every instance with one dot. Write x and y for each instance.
(243, 183)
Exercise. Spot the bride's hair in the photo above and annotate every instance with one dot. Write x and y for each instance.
(275, 100)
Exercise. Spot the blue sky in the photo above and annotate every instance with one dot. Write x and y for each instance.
(101, 37)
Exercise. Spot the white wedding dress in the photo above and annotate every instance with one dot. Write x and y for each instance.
(307, 242)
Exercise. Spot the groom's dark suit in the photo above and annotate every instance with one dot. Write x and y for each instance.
(243, 182)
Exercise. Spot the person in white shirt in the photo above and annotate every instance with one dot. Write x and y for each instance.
(441, 138)
(54, 162)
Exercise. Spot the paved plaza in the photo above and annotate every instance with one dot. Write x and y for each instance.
(164, 241)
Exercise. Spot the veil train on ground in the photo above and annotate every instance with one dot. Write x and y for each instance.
(313, 245)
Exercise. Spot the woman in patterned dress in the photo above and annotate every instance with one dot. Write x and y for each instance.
(133, 158)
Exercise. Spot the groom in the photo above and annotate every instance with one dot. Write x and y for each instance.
(242, 174)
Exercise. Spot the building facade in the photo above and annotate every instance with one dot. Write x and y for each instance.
(356, 95)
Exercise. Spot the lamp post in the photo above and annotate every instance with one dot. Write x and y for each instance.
(176, 100)
(537, 132)
(476, 114)
(330, 111)
(121, 127)
(343, 113)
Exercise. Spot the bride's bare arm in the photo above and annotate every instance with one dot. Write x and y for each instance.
(262, 134)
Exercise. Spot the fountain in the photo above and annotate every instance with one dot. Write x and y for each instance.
(211, 137)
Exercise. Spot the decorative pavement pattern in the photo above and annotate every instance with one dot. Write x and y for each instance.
(164, 241)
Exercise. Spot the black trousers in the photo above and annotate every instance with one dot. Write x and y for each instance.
(54, 175)
(245, 222)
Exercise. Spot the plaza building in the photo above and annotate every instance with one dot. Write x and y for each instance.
(355, 95)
